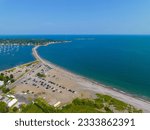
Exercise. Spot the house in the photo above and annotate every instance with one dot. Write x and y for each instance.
(1, 83)
(6, 100)
(12, 102)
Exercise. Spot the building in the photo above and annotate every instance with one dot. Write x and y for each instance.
(6, 100)
(1, 83)
(1, 97)
(57, 104)
(12, 102)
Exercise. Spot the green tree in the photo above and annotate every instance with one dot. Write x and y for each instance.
(2, 74)
(12, 80)
(11, 76)
(5, 90)
(3, 107)
(15, 109)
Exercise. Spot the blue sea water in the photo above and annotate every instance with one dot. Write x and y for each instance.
(120, 61)
(11, 56)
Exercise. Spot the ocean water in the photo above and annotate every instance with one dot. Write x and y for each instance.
(122, 62)
(11, 56)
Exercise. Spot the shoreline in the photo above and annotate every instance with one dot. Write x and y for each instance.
(97, 87)
(18, 65)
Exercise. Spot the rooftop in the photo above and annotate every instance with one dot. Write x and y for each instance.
(1, 83)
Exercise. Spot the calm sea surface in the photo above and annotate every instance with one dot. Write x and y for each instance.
(11, 56)
(122, 62)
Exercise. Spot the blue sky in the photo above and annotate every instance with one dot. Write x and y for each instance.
(74, 16)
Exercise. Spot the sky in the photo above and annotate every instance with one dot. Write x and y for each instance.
(74, 17)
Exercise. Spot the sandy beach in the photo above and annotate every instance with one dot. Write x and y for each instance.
(93, 87)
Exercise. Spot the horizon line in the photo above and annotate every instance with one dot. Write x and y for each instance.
(68, 34)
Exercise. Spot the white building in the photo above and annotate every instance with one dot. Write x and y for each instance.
(57, 104)
(12, 102)
(1, 83)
